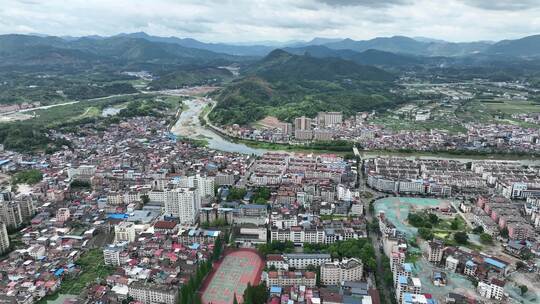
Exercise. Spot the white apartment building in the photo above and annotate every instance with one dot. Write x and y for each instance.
(435, 251)
(84, 172)
(153, 293)
(291, 278)
(62, 215)
(183, 203)
(303, 260)
(382, 184)
(470, 269)
(298, 235)
(299, 261)
(282, 222)
(334, 273)
(451, 263)
(402, 270)
(412, 187)
(36, 251)
(344, 193)
(302, 123)
(205, 185)
(407, 285)
(4, 238)
(124, 232)
(327, 119)
(115, 255)
(10, 213)
(357, 209)
(491, 290)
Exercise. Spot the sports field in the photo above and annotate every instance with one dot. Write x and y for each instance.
(236, 270)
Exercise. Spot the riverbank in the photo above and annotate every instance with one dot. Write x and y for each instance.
(196, 125)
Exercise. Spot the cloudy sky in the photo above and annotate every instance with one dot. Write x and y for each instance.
(279, 20)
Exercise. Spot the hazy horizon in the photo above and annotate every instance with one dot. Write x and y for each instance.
(244, 21)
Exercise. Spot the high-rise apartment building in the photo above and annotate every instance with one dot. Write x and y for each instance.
(183, 203)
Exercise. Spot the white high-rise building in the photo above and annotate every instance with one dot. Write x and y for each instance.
(183, 203)
(124, 232)
(491, 290)
(149, 293)
(4, 238)
(344, 193)
(334, 273)
(407, 285)
(204, 185)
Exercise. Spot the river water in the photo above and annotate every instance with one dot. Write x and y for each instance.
(189, 126)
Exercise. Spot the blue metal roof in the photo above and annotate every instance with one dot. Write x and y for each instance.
(407, 298)
(403, 280)
(211, 233)
(275, 289)
(495, 263)
(408, 267)
(118, 216)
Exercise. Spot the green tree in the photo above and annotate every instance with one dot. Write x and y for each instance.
(455, 224)
(30, 177)
(433, 218)
(260, 201)
(478, 229)
(504, 232)
(425, 233)
(486, 238)
(236, 193)
(461, 237)
(523, 289)
(145, 199)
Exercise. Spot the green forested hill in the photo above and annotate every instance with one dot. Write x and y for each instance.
(287, 86)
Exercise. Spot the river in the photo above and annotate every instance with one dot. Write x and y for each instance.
(189, 125)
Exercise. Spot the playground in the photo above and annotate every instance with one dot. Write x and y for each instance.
(231, 277)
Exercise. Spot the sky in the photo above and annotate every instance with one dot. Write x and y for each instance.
(275, 20)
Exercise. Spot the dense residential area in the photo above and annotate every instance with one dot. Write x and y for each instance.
(269, 152)
(134, 213)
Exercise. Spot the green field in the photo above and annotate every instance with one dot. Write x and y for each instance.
(92, 268)
(498, 112)
(513, 107)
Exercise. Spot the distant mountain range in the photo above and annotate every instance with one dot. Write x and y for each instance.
(22, 50)
(141, 49)
(525, 47)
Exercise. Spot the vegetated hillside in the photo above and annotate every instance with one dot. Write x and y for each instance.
(282, 66)
(524, 47)
(52, 69)
(191, 76)
(231, 49)
(19, 49)
(406, 45)
(288, 86)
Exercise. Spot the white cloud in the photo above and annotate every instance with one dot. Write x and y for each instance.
(255, 20)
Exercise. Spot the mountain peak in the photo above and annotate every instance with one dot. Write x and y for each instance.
(276, 54)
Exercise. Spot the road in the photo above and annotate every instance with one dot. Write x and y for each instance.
(71, 102)
(386, 294)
